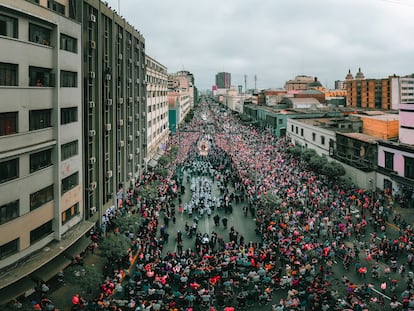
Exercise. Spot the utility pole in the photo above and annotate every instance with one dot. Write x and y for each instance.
(245, 85)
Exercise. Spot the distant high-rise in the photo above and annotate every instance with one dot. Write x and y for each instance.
(223, 80)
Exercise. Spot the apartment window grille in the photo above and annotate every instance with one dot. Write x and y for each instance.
(70, 182)
(39, 34)
(40, 160)
(8, 26)
(41, 232)
(9, 248)
(39, 77)
(40, 119)
(69, 150)
(409, 167)
(68, 79)
(68, 115)
(68, 43)
(9, 211)
(8, 74)
(70, 213)
(9, 170)
(8, 123)
(41, 197)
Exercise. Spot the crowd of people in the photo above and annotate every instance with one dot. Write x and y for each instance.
(316, 224)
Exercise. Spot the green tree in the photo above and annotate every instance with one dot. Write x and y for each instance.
(115, 246)
(161, 171)
(271, 200)
(317, 162)
(296, 151)
(150, 191)
(333, 170)
(308, 154)
(88, 278)
(128, 222)
(163, 160)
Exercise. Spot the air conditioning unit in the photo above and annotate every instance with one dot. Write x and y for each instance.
(121, 100)
(92, 160)
(143, 130)
(137, 99)
(121, 143)
(120, 122)
(130, 157)
(92, 210)
(109, 102)
(92, 18)
(143, 114)
(92, 74)
(137, 63)
(120, 35)
(130, 137)
(107, 76)
(120, 56)
(129, 80)
(106, 34)
(137, 46)
(92, 44)
(137, 81)
(130, 100)
(130, 60)
(130, 119)
(138, 134)
(92, 133)
(108, 174)
(137, 150)
(137, 116)
(92, 186)
(108, 127)
(91, 104)
(130, 174)
(129, 42)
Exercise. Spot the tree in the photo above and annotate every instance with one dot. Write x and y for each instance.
(269, 199)
(128, 222)
(115, 246)
(333, 170)
(317, 162)
(295, 151)
(88, 278)
(308, 154)
(163, 160)
(161, 171)
(150, 191)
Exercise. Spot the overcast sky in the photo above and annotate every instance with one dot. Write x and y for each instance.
(276, 40)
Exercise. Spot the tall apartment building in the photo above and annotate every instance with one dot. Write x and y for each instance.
(72, 129)
(370, 93)
(41, 138)
(223, 80)
(157, 108)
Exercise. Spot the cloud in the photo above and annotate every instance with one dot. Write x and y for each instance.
(276, 39)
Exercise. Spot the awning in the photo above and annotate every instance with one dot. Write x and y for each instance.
(24, 286)
(78, 247)
(49, 270)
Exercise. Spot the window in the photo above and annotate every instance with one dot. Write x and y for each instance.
(8, 123)
(389, 160)
(40, 119)
(70, 182)
(280, 121)
(70, 213)
(8, 26)
(9, 211)
(41, 197)
(292, 128)
(56, 6)
(9, 170)
(409, 167)
(69, 150)
(68, 115)
(323, 140)
(39, 76)
(41, 232)
(9, 248)
(68, 79)
(301, 132)
(68, 43)
(40, 160)
(39, 34)
(8, 74)
(297, 130)
(313, 136)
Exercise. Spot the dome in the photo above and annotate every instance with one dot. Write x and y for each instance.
(315, 83)
(349, 76)
(359, 75)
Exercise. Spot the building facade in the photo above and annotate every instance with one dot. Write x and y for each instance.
(157, 107)
(72, 129)
(300, 82)
(223, 80)
(41, 138)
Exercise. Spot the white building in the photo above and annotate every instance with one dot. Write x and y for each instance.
(157, 108)
(41, 166)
